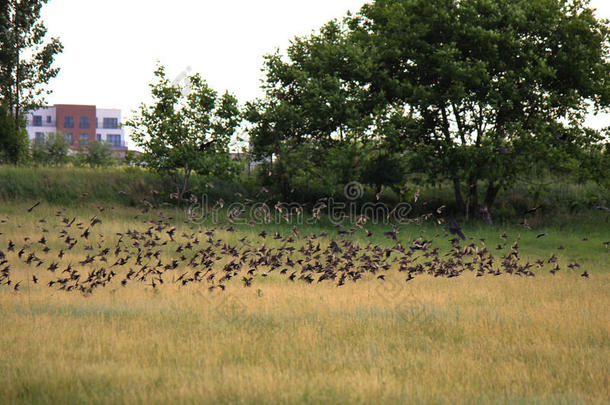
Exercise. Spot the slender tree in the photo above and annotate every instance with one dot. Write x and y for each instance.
(26, 60)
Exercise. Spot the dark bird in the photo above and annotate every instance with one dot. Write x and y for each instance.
(33, 206)
(532, 210)
(541, 235)
(455, 229)
(206, 145)
(335, 248)
(95, 220)
(484, 214)
(391, 235)
(247, 281)
(171, 232)
(585, 274)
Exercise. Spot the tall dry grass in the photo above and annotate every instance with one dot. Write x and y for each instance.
(433, 340)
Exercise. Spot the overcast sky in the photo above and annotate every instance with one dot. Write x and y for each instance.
(111, 46)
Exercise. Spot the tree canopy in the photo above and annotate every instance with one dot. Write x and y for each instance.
(187, 128)
(470, 92)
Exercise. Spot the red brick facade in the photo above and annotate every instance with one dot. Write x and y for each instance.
(76, 112)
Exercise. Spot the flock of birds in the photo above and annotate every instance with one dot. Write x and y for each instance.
(154, 253)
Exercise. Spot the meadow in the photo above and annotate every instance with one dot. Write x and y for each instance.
(444, 336)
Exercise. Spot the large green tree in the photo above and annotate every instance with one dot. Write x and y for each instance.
(313, 108)
(470, 92)
(481, 88)
(186, 129)
(26, 63)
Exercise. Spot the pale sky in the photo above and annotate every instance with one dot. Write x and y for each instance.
(111, 46)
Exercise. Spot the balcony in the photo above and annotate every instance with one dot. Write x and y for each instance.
(120, 146)
(107, 123)
(52, 124)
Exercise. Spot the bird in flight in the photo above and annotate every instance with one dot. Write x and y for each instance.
(33, 206)
(455, 229)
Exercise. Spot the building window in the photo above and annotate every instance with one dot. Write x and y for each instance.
(69, 139)
(37, 121)
(115, 140)
(84, 122)
(99, 137)
(83, 139)
(39, 139)
(111, 123)
(49, 119)
(68, 122)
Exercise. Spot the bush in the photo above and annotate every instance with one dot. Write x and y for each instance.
(99, 154)
(53, 150)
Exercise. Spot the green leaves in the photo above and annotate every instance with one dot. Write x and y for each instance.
(467, 91)
(483, 76)
(187, 128)
(26, 66)
(26, 60)
(52, 150)
(13, 139)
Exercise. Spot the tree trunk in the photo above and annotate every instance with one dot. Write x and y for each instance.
(185, 184)
(473, 196)
(17, 94)
(459, 199)
(491, 194)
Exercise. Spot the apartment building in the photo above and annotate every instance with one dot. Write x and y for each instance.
(80, 124)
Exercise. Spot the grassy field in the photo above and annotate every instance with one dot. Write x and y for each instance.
(466, 339)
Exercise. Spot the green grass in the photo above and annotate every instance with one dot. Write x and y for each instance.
(67, 186)
(71, 187)
(560, 202)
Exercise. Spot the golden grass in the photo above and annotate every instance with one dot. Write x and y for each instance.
(433, 340)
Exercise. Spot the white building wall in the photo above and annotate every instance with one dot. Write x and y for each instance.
(48, 122)
(104, 133)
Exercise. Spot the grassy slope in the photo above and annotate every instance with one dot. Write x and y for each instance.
(461, 340)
